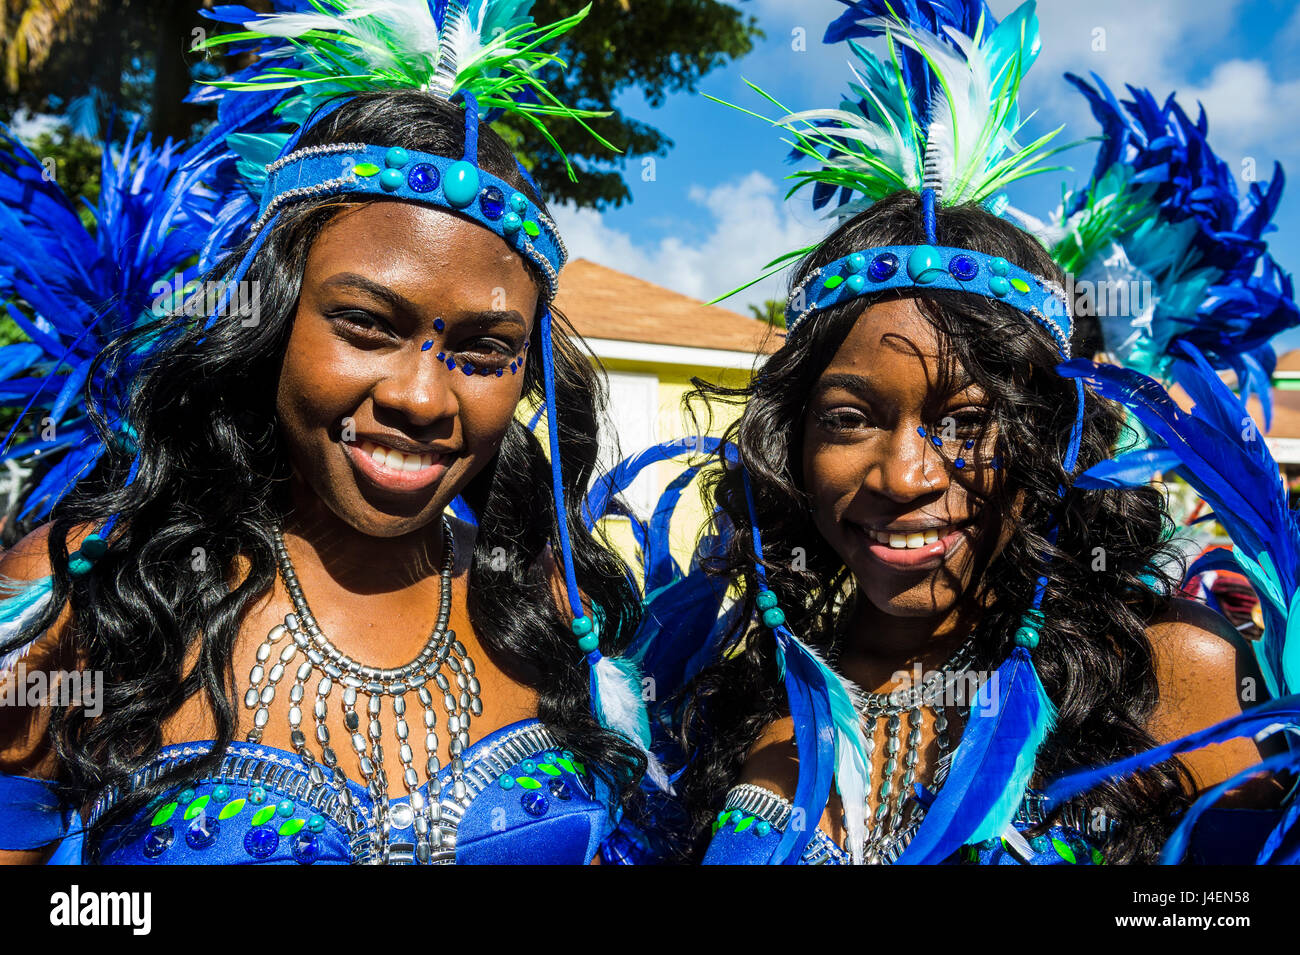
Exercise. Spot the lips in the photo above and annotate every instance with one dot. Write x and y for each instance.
(922, 548)
(392, 470)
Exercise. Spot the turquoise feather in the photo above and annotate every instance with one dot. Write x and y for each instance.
(21, 602)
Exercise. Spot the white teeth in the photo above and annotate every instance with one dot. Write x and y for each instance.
(394, 459)
(908, 541)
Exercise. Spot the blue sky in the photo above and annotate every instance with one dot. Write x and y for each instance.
(706, 217)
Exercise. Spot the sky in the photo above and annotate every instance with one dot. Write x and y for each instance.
(706, 217)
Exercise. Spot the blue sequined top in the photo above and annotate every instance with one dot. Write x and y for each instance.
(749, 828)
(527, 801)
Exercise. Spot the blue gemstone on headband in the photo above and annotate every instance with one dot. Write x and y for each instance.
(999, 286)
(512, 223)
(883, 267)
(519, 202)
(460, 185)
(493, 203)
(963, 267)
(390, 180)
(397, 157)
(423, 178)
(925, 264)
(999, 266)
(857, 261)
(439, 324)
(856, 283)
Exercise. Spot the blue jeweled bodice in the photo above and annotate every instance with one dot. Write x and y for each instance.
(749, 829)
(526, 800)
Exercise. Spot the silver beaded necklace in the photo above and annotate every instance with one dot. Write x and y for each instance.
(441, 650)
(887, 833)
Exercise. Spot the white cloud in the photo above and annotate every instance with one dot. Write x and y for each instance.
(748, 226)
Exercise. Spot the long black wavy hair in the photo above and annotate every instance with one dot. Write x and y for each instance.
(1109, 572)
(214, 473)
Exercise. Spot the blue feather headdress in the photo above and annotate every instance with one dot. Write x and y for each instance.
(1218, 450)
(313, 57)
(1161, 237)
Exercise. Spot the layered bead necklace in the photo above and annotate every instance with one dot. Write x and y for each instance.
(887, 833)
(458, 693)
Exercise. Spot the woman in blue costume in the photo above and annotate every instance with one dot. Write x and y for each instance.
(302, 659)
(947, 620)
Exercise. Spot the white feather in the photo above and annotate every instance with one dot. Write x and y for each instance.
(621, 709)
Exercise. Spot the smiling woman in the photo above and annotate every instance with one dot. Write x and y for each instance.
(902, 460)
(281, 515)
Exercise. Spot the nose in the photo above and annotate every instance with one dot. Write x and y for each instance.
(910, 468)
(418, 387)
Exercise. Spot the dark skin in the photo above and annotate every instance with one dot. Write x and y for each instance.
(381, 280)
(868, 470)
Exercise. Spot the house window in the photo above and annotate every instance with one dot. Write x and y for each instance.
(633, 409)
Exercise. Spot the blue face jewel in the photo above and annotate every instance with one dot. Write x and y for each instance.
(467, 368)
(439, 324)
(442, 356)
(921, 430)
(423, 178)
(937, 442)
(306, 848)
(512, 368)
(959, 463)
(969, 444)
(158, 841)
(451, 364)
(202, 833)
(492, 202)
(426, 346)
(261, 843)
(883, 267)
(534, 803)
(963, 268)
(500, 372)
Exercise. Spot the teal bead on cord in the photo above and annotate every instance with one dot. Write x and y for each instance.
(584, 628)
(766, 600)
(1027, 634)
(774, 617)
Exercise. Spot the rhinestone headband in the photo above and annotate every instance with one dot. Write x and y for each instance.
(454, 184)
(927, 267)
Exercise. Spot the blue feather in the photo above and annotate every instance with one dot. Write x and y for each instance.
(991, 768)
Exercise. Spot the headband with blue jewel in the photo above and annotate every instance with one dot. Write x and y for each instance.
(938, 117)
(480, 53)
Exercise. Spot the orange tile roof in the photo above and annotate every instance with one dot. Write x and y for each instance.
(604, 303)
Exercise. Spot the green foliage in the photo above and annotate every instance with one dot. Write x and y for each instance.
(772, 311)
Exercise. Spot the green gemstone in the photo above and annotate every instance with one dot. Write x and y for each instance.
(291, 826)
(1064, 851)
(745, 823)
(532, 228)
(231, 808)
(264, 815)
(565, 763)
(196, 807)
(1020, 285)
(549, 770)
(528, 782)
(835, 281)
(366, 169)
(1098, 858)
(163, 814)
(581, 769)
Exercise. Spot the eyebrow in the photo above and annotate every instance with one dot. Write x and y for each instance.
(372, 288)
(398, 301)
(854, 383)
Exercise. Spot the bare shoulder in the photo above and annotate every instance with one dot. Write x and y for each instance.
(1206, 673)
(773, 763)
(25, 748)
